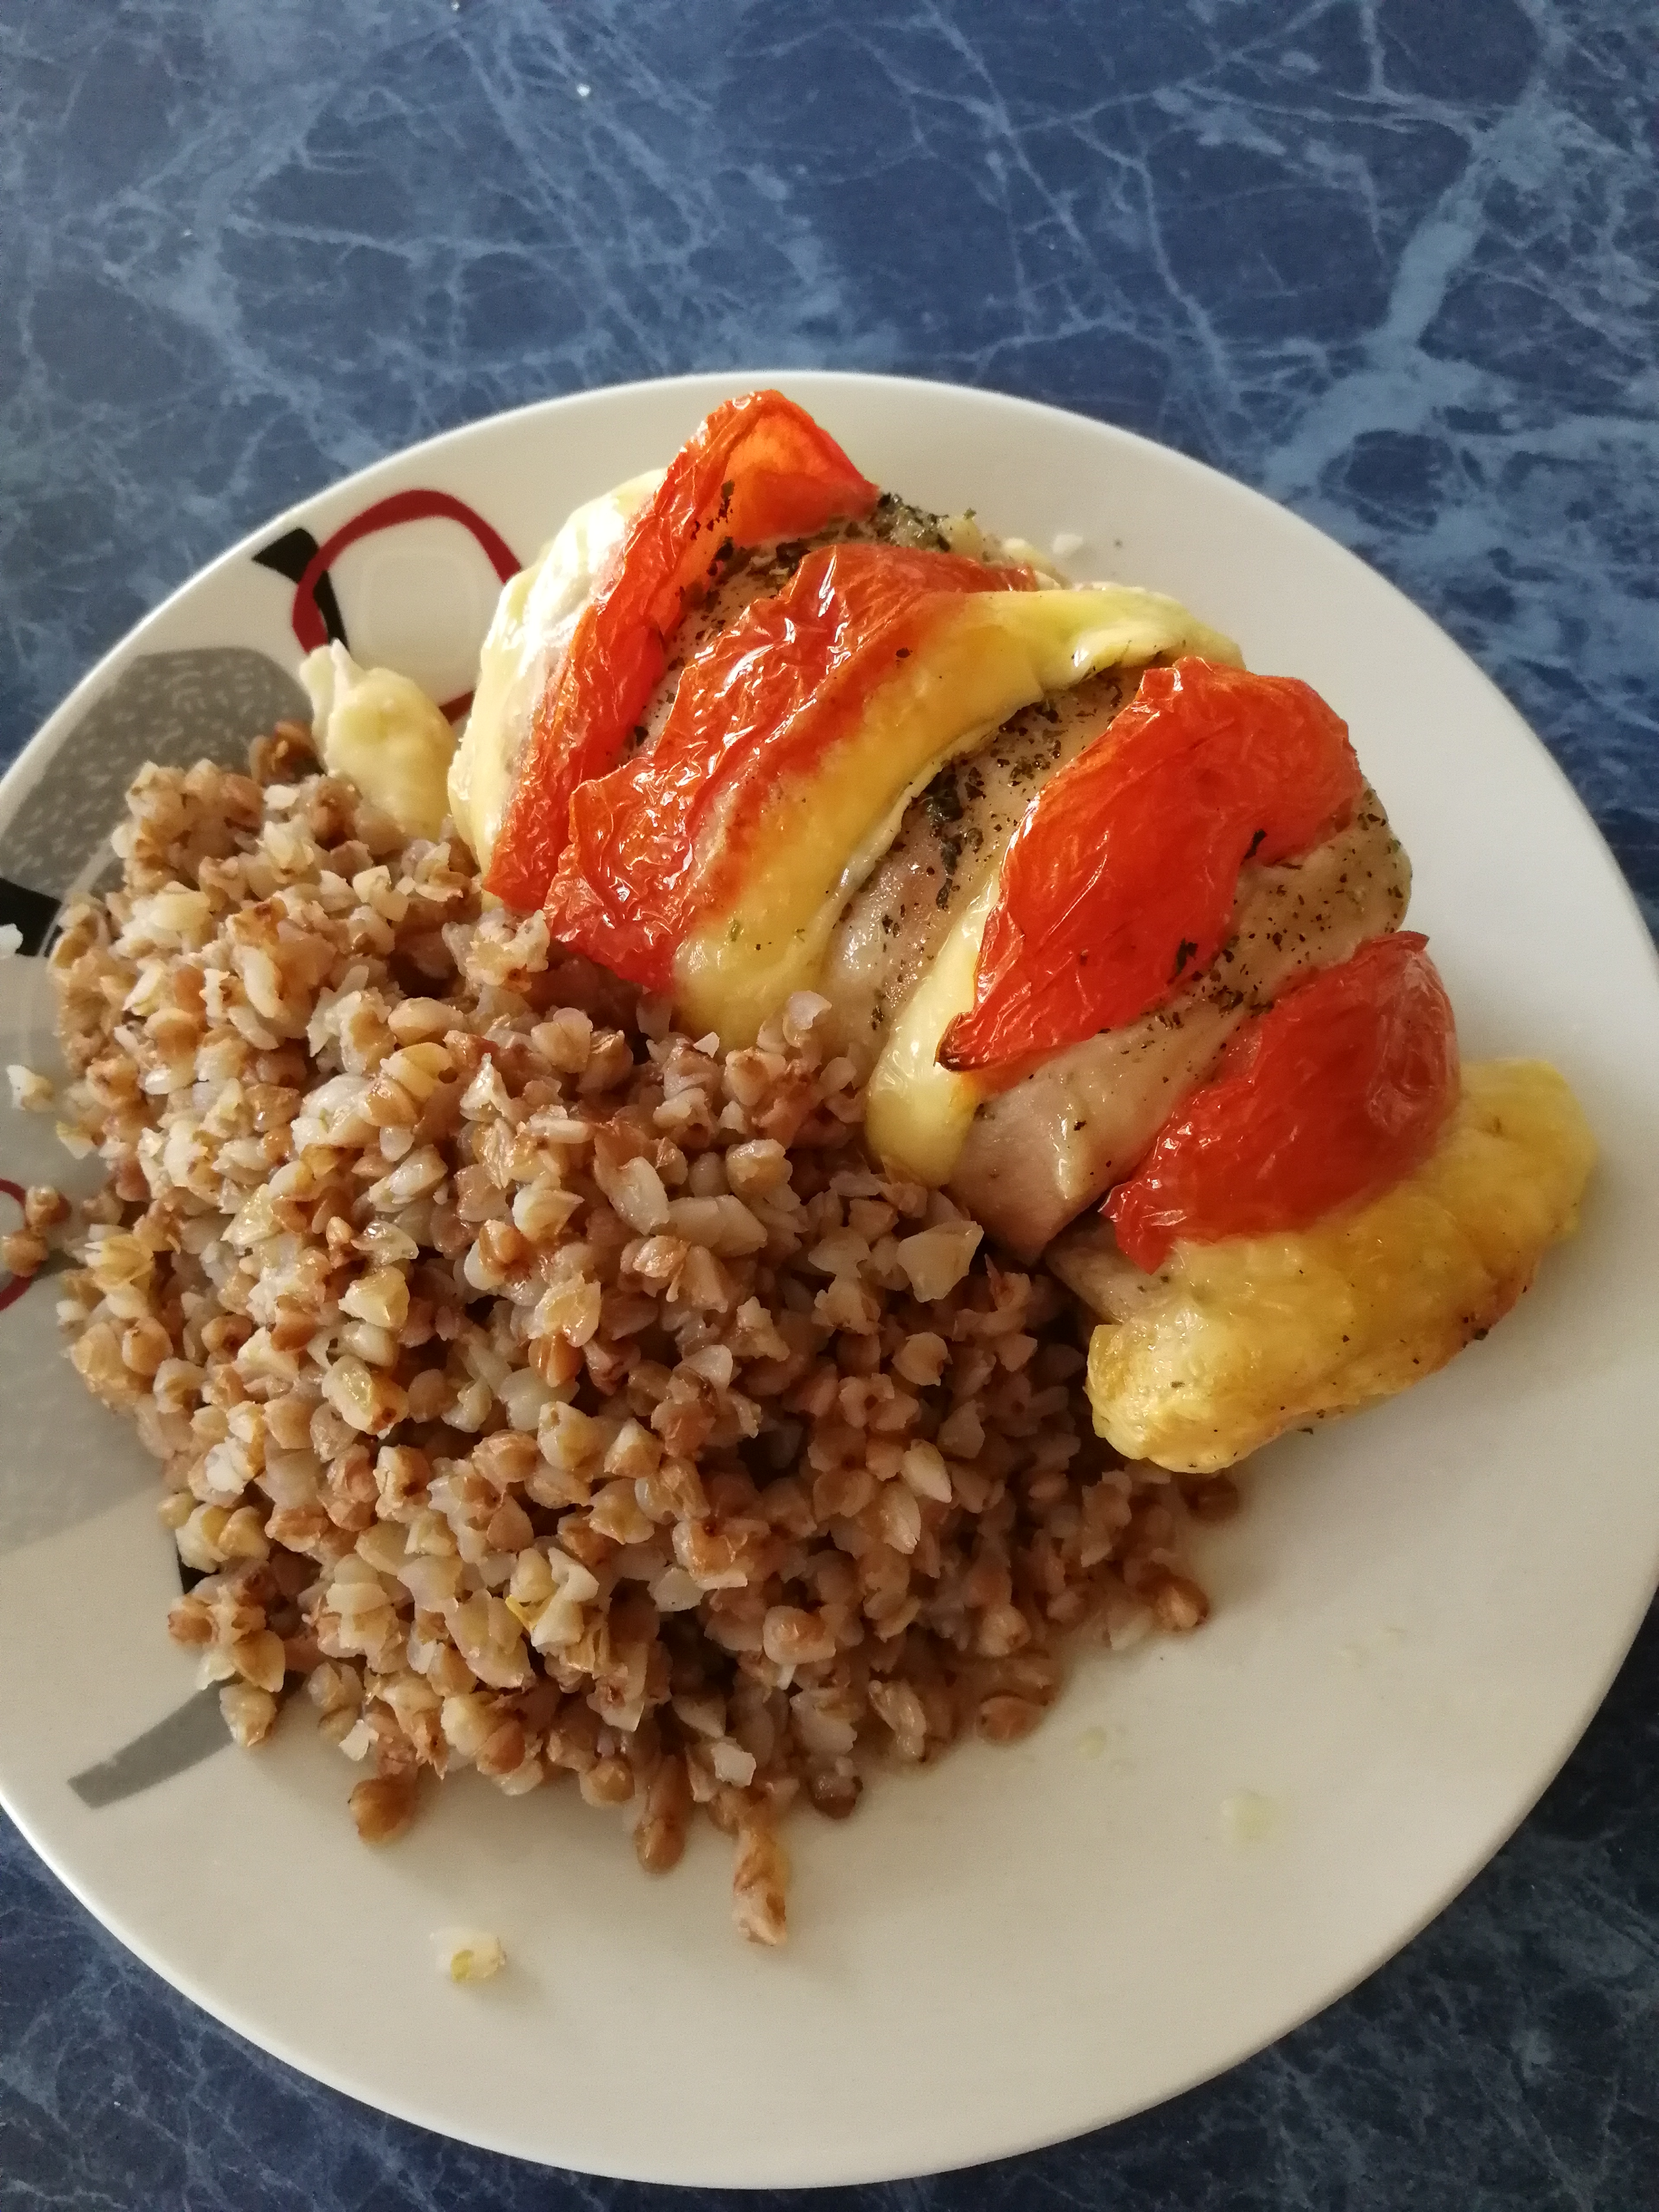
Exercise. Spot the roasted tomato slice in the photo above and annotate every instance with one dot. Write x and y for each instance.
(1118, 887)
(758, 469)
(1333, 1096)
(768, 733)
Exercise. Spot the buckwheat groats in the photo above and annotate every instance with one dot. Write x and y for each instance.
(539, 1389)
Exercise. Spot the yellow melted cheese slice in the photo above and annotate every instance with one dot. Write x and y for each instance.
(819, 836)
(381, 731)
(916, 1113)
(1229, 1344)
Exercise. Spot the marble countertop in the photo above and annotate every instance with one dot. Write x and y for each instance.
(1393, 262)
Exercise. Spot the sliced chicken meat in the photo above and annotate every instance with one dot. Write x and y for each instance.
(951, 840)
(1036, 1154)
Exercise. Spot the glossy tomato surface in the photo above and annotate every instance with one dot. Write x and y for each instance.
(663, 840)
(758, 468)
(1117, 890)
(1331, 1097)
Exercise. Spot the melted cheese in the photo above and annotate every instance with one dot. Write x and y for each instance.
(534, 618)
(380, 730)
(819, 837)
(917, 1113)
(1229, 1344)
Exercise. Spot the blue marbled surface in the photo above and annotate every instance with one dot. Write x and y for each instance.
(1395, 264)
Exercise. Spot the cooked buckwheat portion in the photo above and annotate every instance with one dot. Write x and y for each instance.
(543, 1391)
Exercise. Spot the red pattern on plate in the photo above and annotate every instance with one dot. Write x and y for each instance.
(15, 1285)
(386, 515)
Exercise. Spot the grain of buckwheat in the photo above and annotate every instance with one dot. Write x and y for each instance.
(549, 1393)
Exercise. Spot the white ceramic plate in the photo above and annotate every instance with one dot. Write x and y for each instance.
(1414, 1619)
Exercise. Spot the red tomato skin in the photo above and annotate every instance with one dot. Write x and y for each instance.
(665, 839)
(757, 468)
(1117, 888)
(1335, 1094)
